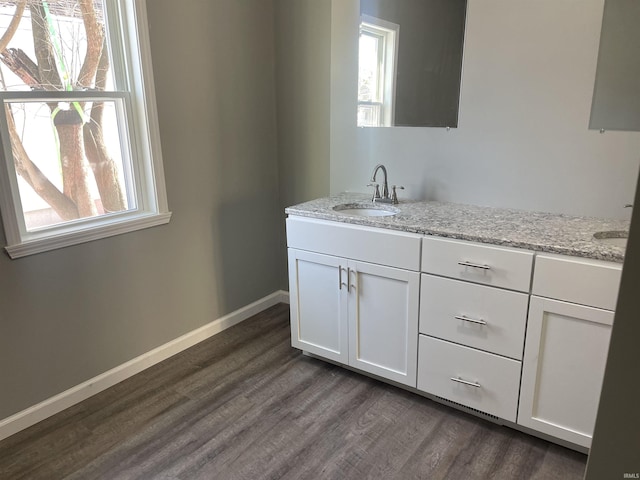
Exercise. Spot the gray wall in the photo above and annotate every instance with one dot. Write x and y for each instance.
(73, 313)
(522, 139)
(303, 56)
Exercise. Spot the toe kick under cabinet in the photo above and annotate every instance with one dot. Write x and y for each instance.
(473, 309)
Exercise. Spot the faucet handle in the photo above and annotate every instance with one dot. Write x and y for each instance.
(629, 205)
(376, 192)
(394, 195)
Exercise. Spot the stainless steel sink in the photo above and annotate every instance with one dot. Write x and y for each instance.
(613, 237)
(365, 210)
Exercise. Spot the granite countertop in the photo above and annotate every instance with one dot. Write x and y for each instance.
(538, 231)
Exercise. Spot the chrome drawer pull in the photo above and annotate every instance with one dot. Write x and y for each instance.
(470, 320)
(465, 382)
(474, 265)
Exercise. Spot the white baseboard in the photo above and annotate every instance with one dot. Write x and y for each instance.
(70, 397)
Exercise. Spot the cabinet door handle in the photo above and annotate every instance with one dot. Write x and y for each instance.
(341, 283)
(474, 265)
(355, 272)
(348, 279)
(464, 318)
(466, 382)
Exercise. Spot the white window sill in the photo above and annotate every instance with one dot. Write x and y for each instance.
(62, 240)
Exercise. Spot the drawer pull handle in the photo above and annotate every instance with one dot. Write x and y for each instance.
(470, 320)
(474, 265)
(465, 382)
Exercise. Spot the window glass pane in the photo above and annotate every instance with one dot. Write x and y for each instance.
(369, 81)
(66, 58)
(69, 161)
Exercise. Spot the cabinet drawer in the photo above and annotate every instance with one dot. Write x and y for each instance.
(482, 317)
(473, 262)
(496, 379)
(578, 280)
(374, 245)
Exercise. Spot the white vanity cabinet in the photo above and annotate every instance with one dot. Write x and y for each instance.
(471, 331)
(506, 332)
(354, 294)
(568, 331)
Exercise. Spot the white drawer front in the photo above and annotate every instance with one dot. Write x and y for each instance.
(473, 262)
(482, 317)
(374, 245)
(497, 379)
(577, 280)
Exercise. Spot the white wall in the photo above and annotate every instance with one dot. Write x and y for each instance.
(523, 138)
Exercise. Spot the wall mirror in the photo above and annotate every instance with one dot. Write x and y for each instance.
(410, 62)
(616, 94)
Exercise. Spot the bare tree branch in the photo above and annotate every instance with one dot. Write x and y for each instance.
(68, 123)
(20, 64)
(104, 168)
(45, 56)
(95, 40)
(75, 167)
(60, 203)
(79, 144)
(13, 26)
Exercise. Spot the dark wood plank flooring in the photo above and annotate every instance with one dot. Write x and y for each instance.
(245, 405)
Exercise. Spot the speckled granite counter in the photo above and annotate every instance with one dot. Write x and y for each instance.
(543, 232)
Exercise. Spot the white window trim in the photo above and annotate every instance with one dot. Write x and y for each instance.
(391, 33)
(145, 138)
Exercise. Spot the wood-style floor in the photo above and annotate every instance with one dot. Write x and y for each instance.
(245, 405)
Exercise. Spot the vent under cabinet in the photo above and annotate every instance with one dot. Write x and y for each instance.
(473, 411)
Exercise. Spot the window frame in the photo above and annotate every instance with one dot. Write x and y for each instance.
(127, 30)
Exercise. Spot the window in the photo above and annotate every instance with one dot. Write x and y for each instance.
(79, 128)
(376, 71)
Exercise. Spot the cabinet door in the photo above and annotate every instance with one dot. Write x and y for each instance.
(383, 321)
(318, 300)
(563, 367)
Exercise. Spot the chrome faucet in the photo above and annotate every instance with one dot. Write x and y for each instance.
(385, 185)
(384, 197)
